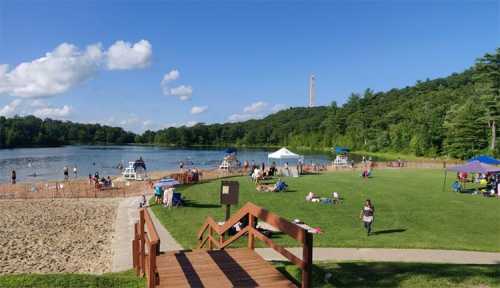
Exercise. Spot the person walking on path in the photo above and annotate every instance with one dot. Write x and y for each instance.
(367, 216)
(13, 177)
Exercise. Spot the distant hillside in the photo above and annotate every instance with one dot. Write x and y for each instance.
(456, 116)
(30, 131)
(445, 116)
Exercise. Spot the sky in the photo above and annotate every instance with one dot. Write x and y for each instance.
(155, 64)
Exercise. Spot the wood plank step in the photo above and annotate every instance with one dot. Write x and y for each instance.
(220, 268)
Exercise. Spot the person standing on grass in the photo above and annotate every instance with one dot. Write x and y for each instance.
(367, 216)
(13, 177)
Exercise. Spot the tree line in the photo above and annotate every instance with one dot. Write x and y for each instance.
(30, 131)
(454, 116)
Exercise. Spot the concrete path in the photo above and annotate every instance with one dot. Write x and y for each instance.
(167, 242)
(121, 245)
(389, 255)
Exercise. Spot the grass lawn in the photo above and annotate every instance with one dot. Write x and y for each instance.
(118, 280)
(376, 274)
(411, 211)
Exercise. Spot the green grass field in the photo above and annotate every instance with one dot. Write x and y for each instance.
(376, 274)
(108, 280)
(411, 211)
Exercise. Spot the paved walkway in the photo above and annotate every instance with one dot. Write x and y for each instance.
(167, 242)
(121, 245)
(389, 255)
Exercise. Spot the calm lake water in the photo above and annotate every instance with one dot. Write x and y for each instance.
(48, 163)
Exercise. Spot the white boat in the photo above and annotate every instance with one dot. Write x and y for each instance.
(136, 171)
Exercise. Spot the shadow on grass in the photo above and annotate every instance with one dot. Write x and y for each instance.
(193, 204)
(377, 274)
(389, 231)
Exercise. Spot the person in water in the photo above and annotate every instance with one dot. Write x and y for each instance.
(13, 177)
(367, 216)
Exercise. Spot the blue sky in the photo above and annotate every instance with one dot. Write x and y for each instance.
(231, 54)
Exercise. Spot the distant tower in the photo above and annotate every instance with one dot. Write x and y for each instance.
(312, 91)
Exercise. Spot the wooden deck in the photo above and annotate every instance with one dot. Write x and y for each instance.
(218, 268)
(213, 264)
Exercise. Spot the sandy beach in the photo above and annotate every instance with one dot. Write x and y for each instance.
(62, 235)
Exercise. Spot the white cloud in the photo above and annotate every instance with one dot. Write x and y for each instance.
(67, 66)
(183, 92)
(278, 107)
(243, 117)
(190, 123)
(256, 110)
(53, 112)
(171, 76)
(198, 109)
(124, 56)
(37, 103)
(255, 107)
(55, 73)
(10, 109)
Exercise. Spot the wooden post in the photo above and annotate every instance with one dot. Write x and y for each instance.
(134, 256)
(251, 223)
(210, 233)
(152, 266)
(307, 257)
(142, 242)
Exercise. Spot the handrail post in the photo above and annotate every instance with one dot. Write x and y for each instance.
(135, 251)
(307, 257)
(210, 235)
(152, 265)
(142, 242)
(251, 224)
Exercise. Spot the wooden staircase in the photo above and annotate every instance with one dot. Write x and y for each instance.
(212, 265)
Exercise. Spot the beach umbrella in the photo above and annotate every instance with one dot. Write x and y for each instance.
(166, 182)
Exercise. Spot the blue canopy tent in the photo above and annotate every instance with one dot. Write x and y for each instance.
(230, 150)
(474, 166)
(485, 159)
(340, 150)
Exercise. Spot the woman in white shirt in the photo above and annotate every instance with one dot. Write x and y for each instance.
(367, 216)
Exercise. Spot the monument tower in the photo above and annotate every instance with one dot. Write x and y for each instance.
(312, 90)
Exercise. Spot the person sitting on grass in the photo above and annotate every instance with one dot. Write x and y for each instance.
(456, 186)
(336, 198)
(311, 197)
(280, 186)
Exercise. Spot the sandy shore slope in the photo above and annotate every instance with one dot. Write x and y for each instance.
(63, 235)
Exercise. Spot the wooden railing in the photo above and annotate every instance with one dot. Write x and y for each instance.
(145, 248)
(212, 235)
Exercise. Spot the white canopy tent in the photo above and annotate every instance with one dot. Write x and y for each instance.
(283, 153)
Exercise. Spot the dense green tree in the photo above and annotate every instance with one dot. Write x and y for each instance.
(488, 87)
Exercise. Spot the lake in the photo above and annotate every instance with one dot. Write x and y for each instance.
(48, 163)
